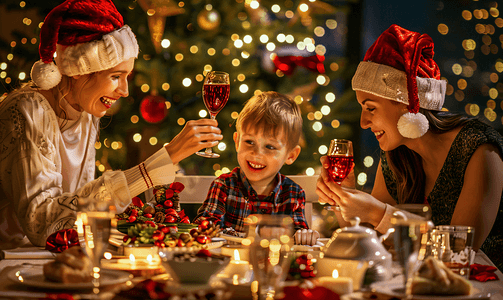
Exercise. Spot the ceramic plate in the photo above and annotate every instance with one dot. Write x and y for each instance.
(34, 277)
(396, 290)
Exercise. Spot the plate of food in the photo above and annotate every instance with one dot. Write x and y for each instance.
(33, 276)
(433, 280)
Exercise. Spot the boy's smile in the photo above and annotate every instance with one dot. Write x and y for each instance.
(261, 156)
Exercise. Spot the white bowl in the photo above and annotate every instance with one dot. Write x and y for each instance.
(196, 270)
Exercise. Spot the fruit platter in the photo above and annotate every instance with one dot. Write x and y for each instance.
(162, 223)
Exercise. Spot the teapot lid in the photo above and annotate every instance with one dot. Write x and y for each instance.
(356, 228)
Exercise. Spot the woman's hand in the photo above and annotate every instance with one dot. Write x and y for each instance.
(352, 202)
(195, 135)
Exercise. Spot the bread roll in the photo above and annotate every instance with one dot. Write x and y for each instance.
(434, 278)
(69, 266)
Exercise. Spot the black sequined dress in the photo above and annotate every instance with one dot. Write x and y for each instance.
(445, 193)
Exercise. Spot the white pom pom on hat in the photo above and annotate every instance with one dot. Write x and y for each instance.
(412, 125)
(87, 35)
(399, 66)
(45, 76)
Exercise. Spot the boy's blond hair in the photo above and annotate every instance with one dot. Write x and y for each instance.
(273, 113)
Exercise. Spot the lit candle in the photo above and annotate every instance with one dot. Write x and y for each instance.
(238, 270)
(340, 285)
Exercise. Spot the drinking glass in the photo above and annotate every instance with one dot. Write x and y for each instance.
(94, 222)
(411, 224)
(272, 237)
(216, 90)
(340, 160)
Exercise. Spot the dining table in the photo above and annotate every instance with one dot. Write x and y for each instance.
(29, 256)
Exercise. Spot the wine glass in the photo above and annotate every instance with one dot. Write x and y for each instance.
(270, 250)
(94, 222)
(216, 90)
(340, 160)
(411, 224)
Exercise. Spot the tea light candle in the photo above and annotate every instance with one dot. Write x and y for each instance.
(237, 269)
(340, 285)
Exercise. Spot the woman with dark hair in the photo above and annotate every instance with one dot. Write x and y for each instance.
(451, 162)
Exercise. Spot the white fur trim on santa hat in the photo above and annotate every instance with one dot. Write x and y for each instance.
(45, 76)
(412, 125)
(390, 83)
(113, 49)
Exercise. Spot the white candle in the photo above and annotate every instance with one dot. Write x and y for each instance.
(237, 269)
(340, 285)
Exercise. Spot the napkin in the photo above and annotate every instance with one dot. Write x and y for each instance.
(483, 273)
(62, 240)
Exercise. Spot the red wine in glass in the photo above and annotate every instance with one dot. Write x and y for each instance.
(341, 162)
(215, 96)
(340, 166)
(216, 91)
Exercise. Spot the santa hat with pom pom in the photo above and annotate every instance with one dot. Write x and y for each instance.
(87, 36)
(399, 66)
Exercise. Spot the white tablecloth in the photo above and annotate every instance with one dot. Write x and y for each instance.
(11, 290)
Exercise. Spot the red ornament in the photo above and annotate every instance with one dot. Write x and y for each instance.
(170, 219)
(153, 109)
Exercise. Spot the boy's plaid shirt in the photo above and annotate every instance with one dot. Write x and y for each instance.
(231, 199)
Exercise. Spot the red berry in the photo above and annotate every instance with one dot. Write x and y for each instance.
(137, 201)
(158, 235)
(168, 203)
(171, 211)
(193, 231)
(132, 219)
(134, 212)
(125, 238)
(205, 223)
(305, 274)
(164, 229)
(160, 244)
(147, 215)
(170, 219)
(180, 243)
(202, 239)
(185, 220)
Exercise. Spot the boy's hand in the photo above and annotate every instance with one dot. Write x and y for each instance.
(306, 237)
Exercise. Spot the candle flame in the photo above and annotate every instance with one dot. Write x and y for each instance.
(335, 274)
(236, 254)
(235, 279)
(131, 257)
(149, 258)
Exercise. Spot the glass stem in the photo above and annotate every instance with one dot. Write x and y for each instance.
(209, 150)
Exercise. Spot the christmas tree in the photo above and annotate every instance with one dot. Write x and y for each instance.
(296, 47)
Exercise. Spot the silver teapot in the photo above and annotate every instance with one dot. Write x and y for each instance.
(359, 243)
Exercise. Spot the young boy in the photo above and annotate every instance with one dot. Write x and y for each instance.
(267, 136)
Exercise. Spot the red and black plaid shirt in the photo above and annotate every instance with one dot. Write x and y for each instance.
(231, 198)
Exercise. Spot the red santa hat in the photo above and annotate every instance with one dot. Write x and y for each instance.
(87, 36)
(399, 66)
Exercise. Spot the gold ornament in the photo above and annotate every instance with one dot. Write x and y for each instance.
(157, 11)
(208, 19)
